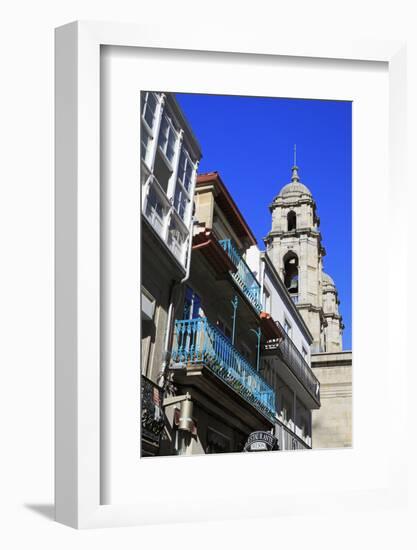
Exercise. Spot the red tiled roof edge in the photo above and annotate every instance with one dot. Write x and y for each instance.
(215, 177)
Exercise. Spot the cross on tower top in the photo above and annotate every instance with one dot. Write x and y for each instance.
(295, 176)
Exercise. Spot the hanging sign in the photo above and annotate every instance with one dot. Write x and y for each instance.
(261, 441)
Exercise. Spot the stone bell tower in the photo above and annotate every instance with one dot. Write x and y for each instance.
(332, 338)
(295, 247)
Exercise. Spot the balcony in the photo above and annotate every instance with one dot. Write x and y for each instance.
(286, 349)
(152, 417)
(243, 276)
(197, 341)
(288, 440)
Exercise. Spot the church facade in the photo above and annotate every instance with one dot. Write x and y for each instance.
(295, 247)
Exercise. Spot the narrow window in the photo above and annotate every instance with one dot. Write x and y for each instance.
(286, 411)
(185, 170)
(183, 186)
(192, 305)
(167, 139)
(292, 220)
(176, 240)
(291, 272)
(148, 110)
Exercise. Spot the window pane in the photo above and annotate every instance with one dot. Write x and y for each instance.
(177, 197)
(188, 176)
(183, 208)
(196, 306)
(287, 328)
(188, 303)
(155, 211)
(171, 145)
(180, 202)
(144, 144)
(163, 134)
(149, 109)
(175, 239)
(167, 139)
(181, 167)
(185, 170)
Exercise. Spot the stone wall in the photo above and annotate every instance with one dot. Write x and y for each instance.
(332, 423)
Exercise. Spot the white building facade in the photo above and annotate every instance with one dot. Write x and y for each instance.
(286, 363)
(169, 157)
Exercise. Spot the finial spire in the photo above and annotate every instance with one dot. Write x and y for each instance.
(295, 176)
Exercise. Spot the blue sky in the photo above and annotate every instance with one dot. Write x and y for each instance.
(250, 141)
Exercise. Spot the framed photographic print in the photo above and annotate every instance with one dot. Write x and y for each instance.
(219, 246)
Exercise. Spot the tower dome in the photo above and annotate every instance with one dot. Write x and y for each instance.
(327, 280)
(295, 187)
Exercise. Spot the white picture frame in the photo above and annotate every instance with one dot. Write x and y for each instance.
(78, 405)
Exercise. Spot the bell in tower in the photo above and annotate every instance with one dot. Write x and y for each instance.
(291, 273)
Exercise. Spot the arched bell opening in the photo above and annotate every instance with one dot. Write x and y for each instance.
(291, 272)
(291, 220)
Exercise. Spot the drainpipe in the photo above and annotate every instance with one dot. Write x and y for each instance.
(235, 303)
(258, 347)
(174, 286)
(261, 275)
(295, 412)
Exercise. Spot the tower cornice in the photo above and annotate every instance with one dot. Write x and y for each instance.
(336, 316)
(310, 307)
(280, 202)
(310, 231)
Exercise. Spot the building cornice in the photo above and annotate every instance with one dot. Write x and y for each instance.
(331, 359)
(182, 122)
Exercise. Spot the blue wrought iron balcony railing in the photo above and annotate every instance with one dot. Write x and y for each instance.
(196, 341)
(243, 276)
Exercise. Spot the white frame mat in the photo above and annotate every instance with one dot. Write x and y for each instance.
(78, 404)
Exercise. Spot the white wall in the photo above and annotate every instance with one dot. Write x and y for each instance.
(279, 309)
(280, 312)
